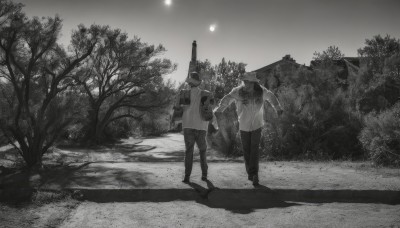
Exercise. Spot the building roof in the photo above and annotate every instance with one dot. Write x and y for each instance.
(285, 59)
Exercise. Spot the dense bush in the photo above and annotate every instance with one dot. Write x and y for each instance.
(155, 126)
(380, 136)
(317, 123)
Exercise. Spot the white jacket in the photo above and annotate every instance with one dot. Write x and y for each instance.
(251, 115)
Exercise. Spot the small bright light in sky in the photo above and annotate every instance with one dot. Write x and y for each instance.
(168, 2)
(212, 28)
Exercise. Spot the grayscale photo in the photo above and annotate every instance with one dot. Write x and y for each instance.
(199, 113)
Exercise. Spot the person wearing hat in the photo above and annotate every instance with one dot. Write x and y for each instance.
(249, 98)
(194, 125)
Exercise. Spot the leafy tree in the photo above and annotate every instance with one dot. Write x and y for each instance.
(8, 10)
(228, 75)
(392, 65)
(122, 79)
(377, 84)
(332, 53)
(220, 78)
(38, 70)
(378, 49)
(207, 74)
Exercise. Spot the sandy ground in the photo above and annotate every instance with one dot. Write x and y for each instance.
(137, 183)
(190, 214)
(232, 175)
(168, 148)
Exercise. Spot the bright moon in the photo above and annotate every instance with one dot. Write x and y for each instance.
(212, 28)
(168, 2)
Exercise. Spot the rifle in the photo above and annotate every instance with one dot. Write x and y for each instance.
(193, 66)
(184, 95)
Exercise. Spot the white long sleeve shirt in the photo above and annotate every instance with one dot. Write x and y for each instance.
(251, 115)
(191, 113)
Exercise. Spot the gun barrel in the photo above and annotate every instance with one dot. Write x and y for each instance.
(194, 51)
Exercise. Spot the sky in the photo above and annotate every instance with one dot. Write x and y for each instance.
(256, 32)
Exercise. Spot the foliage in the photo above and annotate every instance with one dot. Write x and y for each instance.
(331, 53)
(368, 90)
(208, 75)
(380, 136)
(105, 84)
(159, 123)
(222, 77)
(38, 70)
(316, 123)
(122, 78)
(228, 76)
(377, 50)
(392, 65)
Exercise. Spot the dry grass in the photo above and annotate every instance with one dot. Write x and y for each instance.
(46, 209)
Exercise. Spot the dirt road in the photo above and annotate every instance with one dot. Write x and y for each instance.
(137, 183)
(197, 214)
(168, 148)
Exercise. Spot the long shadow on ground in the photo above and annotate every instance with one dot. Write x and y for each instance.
(137, 186)
(242, 200)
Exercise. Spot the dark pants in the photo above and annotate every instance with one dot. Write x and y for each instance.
(191, 137)
(250, 143)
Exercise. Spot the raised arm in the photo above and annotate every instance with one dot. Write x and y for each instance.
(227, 100)
(272, 99)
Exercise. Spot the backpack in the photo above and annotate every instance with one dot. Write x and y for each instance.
(206, 102)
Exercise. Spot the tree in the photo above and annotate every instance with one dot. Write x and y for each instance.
(39, 71)
(377, 87)
(228, 74)
(122, 78)
(316, 122)
(377, 50)
(331, 53)
(207, 74)
(392, 65)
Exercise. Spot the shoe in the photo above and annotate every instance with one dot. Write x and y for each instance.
(186, 180)
(255, 181)
(203, 178)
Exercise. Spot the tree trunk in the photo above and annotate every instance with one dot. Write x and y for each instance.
(95, 127)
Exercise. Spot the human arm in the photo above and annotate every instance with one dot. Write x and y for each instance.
(227, 100)
(273, 100)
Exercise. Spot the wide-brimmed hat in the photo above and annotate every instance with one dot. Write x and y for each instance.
(250, 76)
(194, 78)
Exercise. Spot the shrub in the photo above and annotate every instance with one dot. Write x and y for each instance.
(317, 123)
(118, 129)
(270, 143)
(380, 136)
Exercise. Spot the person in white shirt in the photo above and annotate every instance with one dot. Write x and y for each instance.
(194, 126)
(249, 98)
